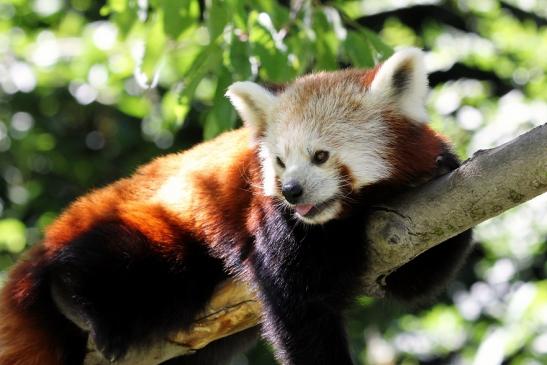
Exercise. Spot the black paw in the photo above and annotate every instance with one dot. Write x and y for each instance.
(112, 346)
(446, 162)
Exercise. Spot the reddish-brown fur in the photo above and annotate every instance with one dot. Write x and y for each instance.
(28, 342)
(414, 150)
(218, 196)
(210, 192)
(368, 76)
(219, 182)
(24, 340)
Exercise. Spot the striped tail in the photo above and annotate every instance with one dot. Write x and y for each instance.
(32, 330)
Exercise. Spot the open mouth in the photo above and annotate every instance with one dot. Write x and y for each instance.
(311, 210)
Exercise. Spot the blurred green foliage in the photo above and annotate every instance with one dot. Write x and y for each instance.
(91, 90)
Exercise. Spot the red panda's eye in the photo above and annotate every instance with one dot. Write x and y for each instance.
(280, 162)
(320, 157)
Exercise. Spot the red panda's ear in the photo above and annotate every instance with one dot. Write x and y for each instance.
(253, 103)
(403, 78)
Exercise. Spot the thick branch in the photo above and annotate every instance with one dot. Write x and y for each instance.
(488, 184)
(417, 16)
(523, 15)
(500, 86)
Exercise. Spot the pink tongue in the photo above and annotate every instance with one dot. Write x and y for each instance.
(303, 209)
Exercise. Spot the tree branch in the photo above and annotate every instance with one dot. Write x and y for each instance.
(486, 185)
(523, 15)
(417, 16)
(500, 86)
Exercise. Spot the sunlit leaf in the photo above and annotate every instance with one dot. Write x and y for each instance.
(358, 50)
(134, 106)
(208, 59)
(239, 13)
(383, 50)
(154, 49)
(218, 16)
(12, 235)
(271, 52)
(301, 46)
(178, 15)
(118, 5)
(222, 116)
(277, 12)
(326, 44)
(237, 58)
(123, 13)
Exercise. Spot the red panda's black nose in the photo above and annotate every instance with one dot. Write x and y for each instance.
(292, 190)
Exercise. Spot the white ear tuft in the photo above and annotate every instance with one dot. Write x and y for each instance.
(403, 78)
(253, 103)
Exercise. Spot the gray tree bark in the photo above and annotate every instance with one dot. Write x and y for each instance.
(489, 183)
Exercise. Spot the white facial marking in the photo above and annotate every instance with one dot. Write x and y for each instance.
(324, 112)
(337, 113)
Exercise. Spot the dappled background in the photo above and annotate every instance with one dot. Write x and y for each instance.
(90, 90)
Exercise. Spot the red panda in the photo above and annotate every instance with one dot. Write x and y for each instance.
(278, 203)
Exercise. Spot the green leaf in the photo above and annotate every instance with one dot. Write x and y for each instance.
(273, 57)
(326, 44)
(351, 8)
(173, 112)
(45, 142)
(302, 47)
(12, 235)
(239, 13)
(178, 16)
(358, 50)
(278, 13)
(185, 59)
(46, 219)
(135, 106)
(236, 58)
(222, 116)
(123, 14)
(206, 61)
(117, 6)
(217, 17)
(384, 51)
(155, 46)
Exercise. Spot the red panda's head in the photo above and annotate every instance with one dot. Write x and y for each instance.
(326, 134)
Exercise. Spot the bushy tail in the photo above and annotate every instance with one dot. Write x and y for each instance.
(32, 330)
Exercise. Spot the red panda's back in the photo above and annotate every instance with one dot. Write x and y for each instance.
(131, 238)
(203, 190)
